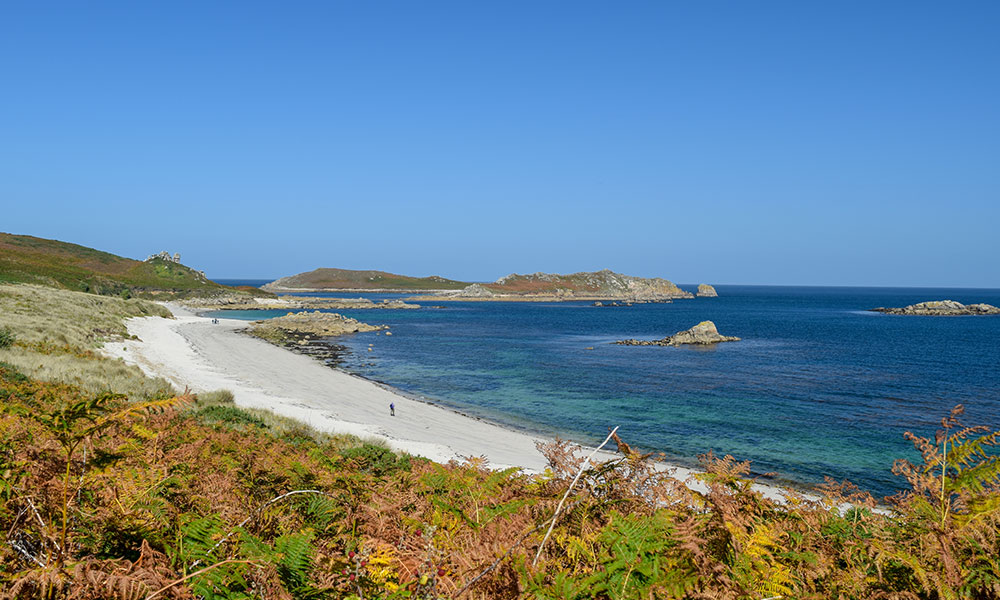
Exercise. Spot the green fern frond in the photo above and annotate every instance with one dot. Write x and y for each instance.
(295, 558)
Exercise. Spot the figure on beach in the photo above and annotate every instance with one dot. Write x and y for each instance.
(392, 409)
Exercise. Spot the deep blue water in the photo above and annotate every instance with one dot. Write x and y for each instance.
(237, 282)
(818, 386)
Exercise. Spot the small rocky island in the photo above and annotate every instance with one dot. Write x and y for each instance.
(703, 333)
(706, 291)
(304, 326)
(941, 308)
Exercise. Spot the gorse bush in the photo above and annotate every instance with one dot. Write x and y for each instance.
(104, 499)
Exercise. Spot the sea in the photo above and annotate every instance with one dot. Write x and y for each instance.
(818, 387)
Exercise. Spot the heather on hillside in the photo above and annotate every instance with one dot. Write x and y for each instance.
(179, 497)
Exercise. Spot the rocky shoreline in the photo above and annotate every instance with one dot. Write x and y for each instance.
(941, 308)
(619, 303)
(704, 333)
(294, 303)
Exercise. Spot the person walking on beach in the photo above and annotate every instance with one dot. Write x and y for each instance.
(392, 409)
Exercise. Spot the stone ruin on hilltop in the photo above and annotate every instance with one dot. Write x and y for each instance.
(176, 258)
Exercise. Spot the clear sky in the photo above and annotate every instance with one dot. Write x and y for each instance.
(836, 143)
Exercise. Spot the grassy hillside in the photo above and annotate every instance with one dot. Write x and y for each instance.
(345, 279)
(27, 259)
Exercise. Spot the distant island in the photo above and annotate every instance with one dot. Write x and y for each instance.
(549, 287)
(537, 287)
(941, 308)
(346, 280)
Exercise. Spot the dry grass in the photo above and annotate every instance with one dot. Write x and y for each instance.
(40, 314)
(91, 374)
(56, 333)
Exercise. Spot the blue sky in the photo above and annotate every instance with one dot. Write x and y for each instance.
(849, 143)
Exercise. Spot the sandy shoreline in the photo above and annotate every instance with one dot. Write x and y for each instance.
(191, 351)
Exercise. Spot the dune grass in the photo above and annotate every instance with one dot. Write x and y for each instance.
(38, 314)
(55, 336)
(217, 408)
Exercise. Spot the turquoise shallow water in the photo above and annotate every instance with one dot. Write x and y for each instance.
(818, 386)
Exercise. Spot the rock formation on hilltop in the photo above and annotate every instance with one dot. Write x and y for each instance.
(706, 291)
(941, 308)
(703, 333)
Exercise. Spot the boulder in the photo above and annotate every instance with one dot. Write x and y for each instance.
(703, 333)
(706, 291)
(475, 291)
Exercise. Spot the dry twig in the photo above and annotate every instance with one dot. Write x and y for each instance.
(566, 495)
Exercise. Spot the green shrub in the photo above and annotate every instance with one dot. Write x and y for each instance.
(215, 397)
(377, 460)
(7, 337)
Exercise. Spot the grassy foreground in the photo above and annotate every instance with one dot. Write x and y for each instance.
(161, 495)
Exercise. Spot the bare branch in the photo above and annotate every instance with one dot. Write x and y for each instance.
(566, 495)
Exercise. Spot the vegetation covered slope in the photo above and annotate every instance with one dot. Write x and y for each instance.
(27, 259)
(345, 279)
(177, 498)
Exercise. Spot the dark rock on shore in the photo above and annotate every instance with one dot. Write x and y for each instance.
(941, 308)
(703, 333)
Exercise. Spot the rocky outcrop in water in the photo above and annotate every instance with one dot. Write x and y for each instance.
(308, 325)
(703, 333)
(941, 308)
(706, 291)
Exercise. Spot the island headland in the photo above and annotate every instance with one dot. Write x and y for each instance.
(347, 280)
(604, 285)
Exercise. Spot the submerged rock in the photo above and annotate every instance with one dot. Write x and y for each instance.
(706, 291)
(703, 333)
(941, 308)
